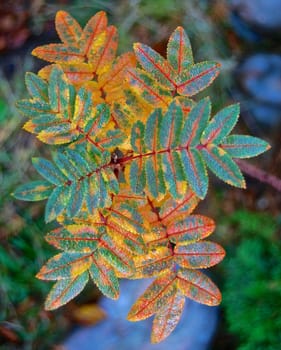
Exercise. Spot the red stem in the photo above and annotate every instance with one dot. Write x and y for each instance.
(259, 174)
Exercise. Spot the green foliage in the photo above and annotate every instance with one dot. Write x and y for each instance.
(252, 309)
(129, 167)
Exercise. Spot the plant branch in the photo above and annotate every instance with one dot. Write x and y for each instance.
(259, 174)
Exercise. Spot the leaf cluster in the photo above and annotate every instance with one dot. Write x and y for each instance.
(130, 153)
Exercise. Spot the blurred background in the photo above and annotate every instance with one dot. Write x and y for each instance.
(244, 35)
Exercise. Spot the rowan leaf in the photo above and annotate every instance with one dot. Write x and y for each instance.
(244, 146)
(33, 191)
(197, 78)
(179, 52)
(129, 168)
(167, 318)
(65, 290)
(197, 286)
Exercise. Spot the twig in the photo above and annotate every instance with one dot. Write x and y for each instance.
(259, 174)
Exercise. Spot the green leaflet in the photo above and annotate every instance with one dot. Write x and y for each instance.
(221, 125)
(65, 290)
(98, 119)
(74, 238)
(51, 173)
(223, 166)
(179, 51)
(34, 108)
(195, 172)
(155, 64)
(144, 85)
(104, 277)
(198, 78)
(33, 191)
(65, 265)
(115, 256)
(36, 86)
(59, 93)
(195, 123)
(244, 146)
(82, 108)
(57, 201)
